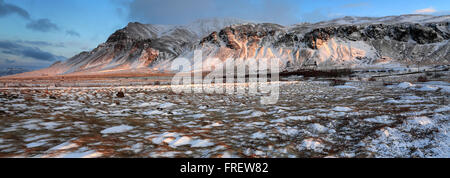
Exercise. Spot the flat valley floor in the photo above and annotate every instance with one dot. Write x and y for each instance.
(311, 119)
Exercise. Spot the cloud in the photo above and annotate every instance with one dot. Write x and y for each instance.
(41, 43)
(121, 7)
(185, 11)
(425, 11)
(318, 15)
(441, 12)
(355, 5)
(36, 53)
(14, 48)
(7, 61)
(73, 33)
(8, 45)
(7, 9)
(42, 25)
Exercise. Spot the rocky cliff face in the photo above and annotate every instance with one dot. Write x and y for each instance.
(356, 44)
(344, 42)
(140, 46)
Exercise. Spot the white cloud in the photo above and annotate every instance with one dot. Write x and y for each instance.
(185, 11)
(425, 11)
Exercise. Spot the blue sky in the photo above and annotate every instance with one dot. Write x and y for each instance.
(36, 33)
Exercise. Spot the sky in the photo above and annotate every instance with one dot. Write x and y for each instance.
(36, 33)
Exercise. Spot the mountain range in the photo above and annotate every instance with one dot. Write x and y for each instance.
(343, 42)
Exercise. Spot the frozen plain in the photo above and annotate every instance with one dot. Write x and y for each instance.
(311, 119)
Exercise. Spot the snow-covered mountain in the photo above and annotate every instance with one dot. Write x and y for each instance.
(139, 46)
(344, 42)
(347, 41)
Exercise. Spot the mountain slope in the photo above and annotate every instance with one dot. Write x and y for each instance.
(348, 42)
(331, 44)
(345, 42)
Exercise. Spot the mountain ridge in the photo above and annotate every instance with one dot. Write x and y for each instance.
(347, 41)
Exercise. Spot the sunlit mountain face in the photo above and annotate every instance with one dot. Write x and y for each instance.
(209, 84)
(352, 42)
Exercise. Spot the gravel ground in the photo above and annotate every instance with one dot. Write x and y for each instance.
(311, 119)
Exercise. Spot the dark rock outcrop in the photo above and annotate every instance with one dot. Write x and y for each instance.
(120, 94)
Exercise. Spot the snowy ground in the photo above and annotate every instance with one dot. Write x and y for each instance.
(311, 119)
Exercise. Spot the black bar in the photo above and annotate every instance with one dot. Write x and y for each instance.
(172, 167)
